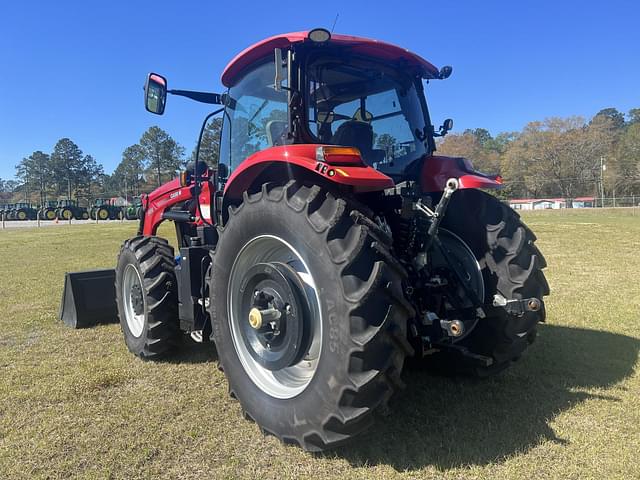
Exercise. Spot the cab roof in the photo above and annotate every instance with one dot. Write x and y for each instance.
(364, 46)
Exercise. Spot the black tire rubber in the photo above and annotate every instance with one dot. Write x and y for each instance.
(364, 314)
(511, 266)
(153, 258)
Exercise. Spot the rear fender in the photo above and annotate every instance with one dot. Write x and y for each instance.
(436, 170)
(298, 162)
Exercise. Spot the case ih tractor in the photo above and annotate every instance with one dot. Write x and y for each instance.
(330, 243)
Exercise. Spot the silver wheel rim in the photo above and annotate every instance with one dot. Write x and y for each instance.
(290, 381)
(476, 271)
(135, 322)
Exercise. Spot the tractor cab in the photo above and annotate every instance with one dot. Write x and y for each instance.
(315, 88)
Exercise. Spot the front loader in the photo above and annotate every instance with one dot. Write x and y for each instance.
(330, 242)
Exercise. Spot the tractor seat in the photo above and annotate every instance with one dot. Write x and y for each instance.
(276, 131)
(354, 133)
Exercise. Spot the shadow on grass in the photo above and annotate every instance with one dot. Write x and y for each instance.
(189, 351)
(451, 422)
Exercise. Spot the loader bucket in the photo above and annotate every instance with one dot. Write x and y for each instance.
(89, 298)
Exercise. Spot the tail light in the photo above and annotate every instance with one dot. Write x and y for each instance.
(347, 156)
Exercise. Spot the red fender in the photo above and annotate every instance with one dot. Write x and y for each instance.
(361, 177)
(436, 170)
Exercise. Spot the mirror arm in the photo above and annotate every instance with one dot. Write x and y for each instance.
(202, 97)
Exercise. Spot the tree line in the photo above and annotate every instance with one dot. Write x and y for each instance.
(559, 157)
(556, 157)
(67, 172)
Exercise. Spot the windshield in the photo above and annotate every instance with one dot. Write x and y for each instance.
(257, 118)
(369, 106)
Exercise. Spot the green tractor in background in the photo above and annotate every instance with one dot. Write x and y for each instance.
(69, 209)
(103, 209)
(23, 211)
(48, 210)
(9, 211)
(134, 210)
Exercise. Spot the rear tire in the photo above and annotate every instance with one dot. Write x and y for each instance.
(102, 213)
(511, 266)
(146, 296)
(356, 287)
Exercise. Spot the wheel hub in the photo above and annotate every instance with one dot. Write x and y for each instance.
(274, 302)
(137, 301)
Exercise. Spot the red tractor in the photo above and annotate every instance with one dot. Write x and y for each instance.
(329, 243)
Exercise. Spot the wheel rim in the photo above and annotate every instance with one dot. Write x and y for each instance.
(463, 254)
(51, 215)
(290, 380)
(22, 215)
(103, 214)
(134, 303)
(66, 214)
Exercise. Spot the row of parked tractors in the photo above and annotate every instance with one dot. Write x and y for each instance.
(101, 209)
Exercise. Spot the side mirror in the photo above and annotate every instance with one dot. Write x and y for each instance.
(445, 72)
(155, 93)
(446, 126)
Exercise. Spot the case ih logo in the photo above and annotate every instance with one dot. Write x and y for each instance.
(175, 194)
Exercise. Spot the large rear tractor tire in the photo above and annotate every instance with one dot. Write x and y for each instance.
(146, 295)
(66, 214)
(511, 265)
(308, 312)
(102, 213)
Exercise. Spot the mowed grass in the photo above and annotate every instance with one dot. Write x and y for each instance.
(78, 404)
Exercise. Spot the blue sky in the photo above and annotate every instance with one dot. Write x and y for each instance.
(76, 68)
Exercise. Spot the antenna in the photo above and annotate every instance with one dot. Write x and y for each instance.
(334, 22)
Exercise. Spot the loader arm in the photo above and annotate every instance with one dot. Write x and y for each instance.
(162, 203)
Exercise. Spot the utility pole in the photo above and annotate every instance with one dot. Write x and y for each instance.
(603, 167)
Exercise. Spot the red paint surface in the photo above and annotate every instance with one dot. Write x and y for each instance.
(361, 178)
(436, 170)
(363, 46)
(168, 195)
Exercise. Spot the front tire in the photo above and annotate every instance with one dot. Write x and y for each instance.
(146, 296)
(355, 327)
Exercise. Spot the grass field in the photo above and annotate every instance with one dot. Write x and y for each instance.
(77, 404)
